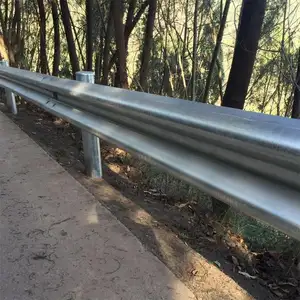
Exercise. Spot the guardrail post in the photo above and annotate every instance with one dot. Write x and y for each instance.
(10, 96)
(91, 143)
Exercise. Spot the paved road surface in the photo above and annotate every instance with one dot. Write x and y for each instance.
(58, 243)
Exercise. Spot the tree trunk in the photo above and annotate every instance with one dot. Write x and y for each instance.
(77, 41)
(186, 10)
(99, 59)
(251, 21)
(107, 41)
(195, 44)
(56, 56)
(121, 76)
(148, 40)
(65, 14)
(43, 51)
(216, 51)
(89, 34)
(296, 102)
(130, 14)
(129, 26)
(16, 33)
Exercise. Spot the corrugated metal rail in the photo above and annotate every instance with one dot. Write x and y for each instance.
(250, 161)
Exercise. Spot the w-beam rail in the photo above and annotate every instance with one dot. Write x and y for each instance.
(248, 160)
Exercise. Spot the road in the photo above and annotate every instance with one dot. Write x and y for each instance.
(58, 242)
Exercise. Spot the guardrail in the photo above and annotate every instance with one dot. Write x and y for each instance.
(250, 161)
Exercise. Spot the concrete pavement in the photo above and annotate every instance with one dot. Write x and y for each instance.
(58, 243)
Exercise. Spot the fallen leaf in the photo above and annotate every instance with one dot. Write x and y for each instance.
(194, 272)
(211, 240)
(288, 283)
(248, 276)
(278, 293)
(235, 260)
(182, 205)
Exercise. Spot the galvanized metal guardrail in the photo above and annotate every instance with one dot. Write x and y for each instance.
(250, 161)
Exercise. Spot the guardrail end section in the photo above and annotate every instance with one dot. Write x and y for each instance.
(10, 96)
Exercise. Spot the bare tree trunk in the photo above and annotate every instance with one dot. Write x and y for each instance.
(98, 62)
(99, 59)
(186, 10)
(148, 40)
(129, 26)
(296, 102)
(56, 56)
(216, 51)
(130, 13)
(43, 50)
(65, 14)
(89, 34)
(108, 37)
(77, 41)
(16, 32)
(279, 87)
(195, 44)
(121, 77)
(249, 30)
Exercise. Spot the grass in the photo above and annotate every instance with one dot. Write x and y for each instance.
(260, 236)
(257, 235)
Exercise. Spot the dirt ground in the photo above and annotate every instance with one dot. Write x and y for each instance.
(186, 238)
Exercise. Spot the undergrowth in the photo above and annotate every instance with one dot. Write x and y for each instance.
(258, 235)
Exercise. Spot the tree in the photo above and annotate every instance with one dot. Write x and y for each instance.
(65, 14)
(296, 101)
(121, 75)
(131, 22)
(43, 47)
(56, 55)
(89, 34)
(251, 20)
(147, 44)
(195, 45)
(108, 38)
(216, 51)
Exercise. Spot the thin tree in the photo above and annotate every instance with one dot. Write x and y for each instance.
(89, 34)
(16, 32)
(65, 14)
(56, 56)
(43, 49)
(296, 102)
(216, 51)
(195, 44)
(107, 42)
(249, 30)
(121, 75)
(79, 45)
(129, 26)
(148, 40)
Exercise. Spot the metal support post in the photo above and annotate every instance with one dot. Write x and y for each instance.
(91, 143)
(10, 96)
